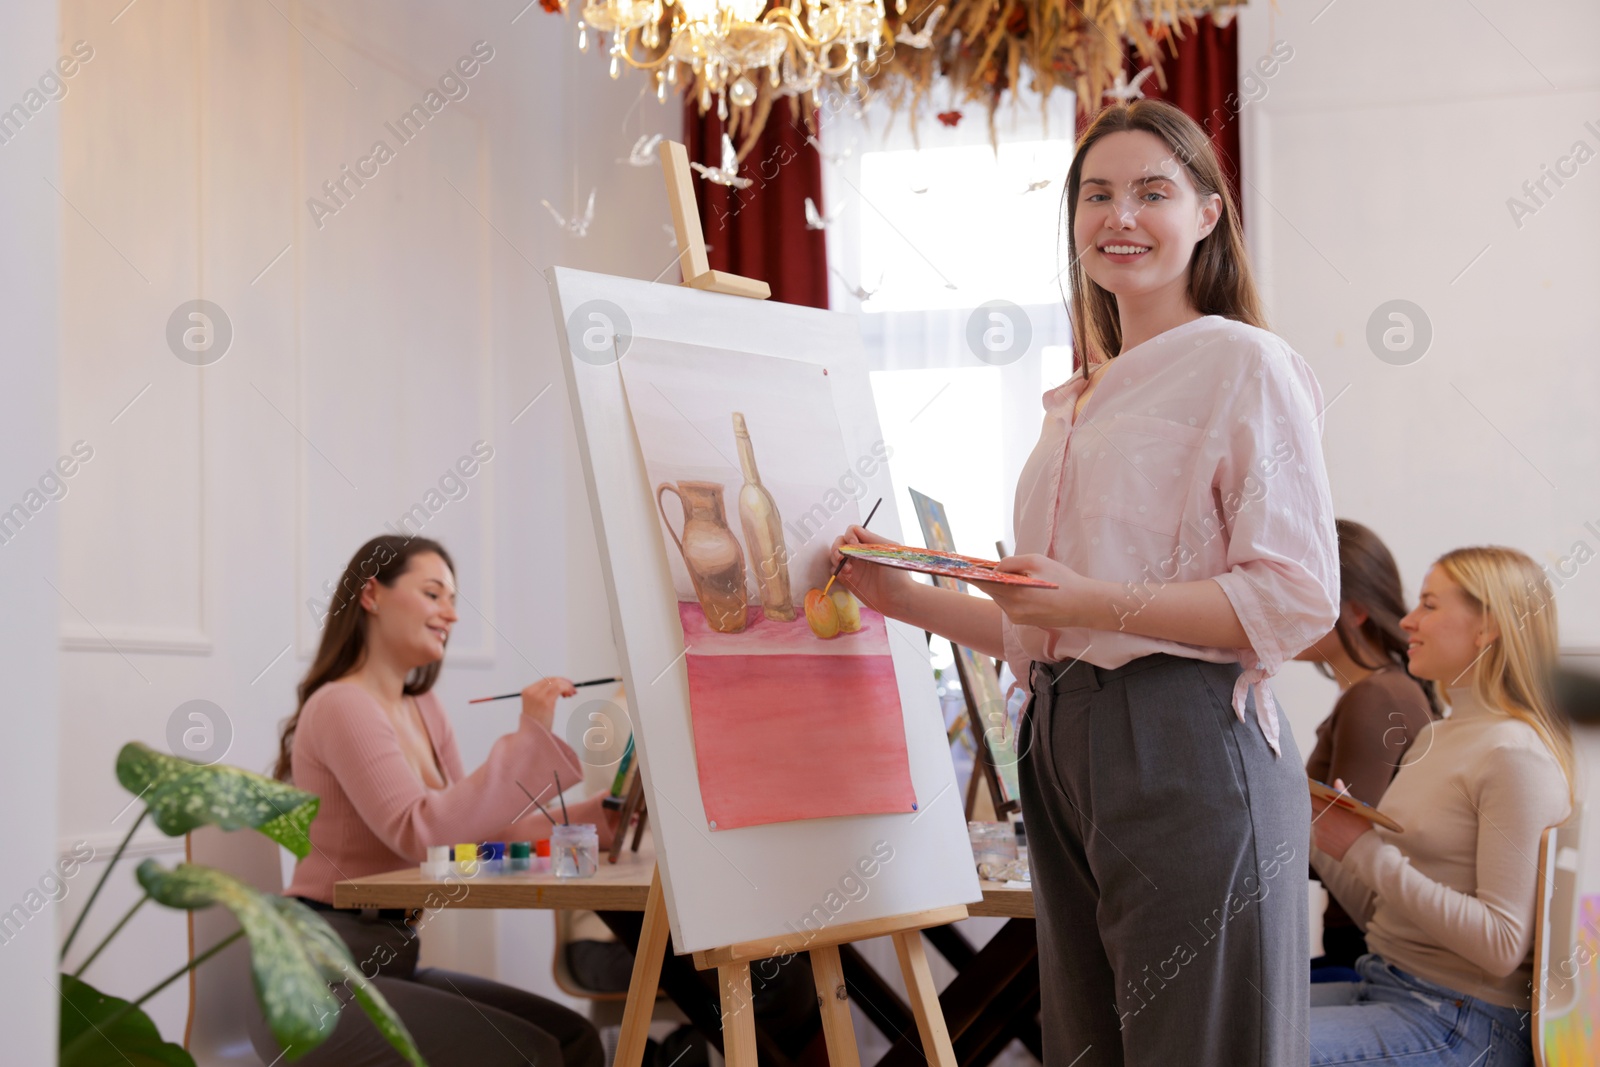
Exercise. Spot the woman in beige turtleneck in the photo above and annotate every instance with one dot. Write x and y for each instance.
(1448, 905)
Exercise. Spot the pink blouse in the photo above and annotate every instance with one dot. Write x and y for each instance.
(376, 815)
(1198, 455)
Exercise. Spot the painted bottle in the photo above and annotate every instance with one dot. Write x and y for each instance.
(763, 532)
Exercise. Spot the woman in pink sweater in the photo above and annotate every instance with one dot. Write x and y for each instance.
(373, 742)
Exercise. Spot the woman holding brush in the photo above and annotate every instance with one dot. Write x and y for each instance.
(373, 742)
(1178, 501)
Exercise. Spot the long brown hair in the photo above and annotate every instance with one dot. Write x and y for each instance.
(344, 635)
(1370, 580)
(1513, 674)
(1220, 282)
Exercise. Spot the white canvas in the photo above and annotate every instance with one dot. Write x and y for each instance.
(770, 880)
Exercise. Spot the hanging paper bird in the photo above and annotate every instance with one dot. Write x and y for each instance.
(950, 118)
(643, 153)
(923, 38)
(816, 220)
(577, 225)
(1124, 90)
(1034, 187)
(832, 157)
(857, 291)
(728, 173)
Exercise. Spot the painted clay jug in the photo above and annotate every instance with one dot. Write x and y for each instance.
(710, 552)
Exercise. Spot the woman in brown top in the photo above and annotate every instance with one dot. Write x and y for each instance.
(1380, 711)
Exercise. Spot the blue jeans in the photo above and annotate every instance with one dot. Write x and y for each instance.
(1394, 1017)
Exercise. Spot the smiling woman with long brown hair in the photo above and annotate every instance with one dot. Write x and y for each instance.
(373, 742)
(1178, 501)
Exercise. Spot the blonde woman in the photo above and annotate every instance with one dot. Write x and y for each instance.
(1448, 904)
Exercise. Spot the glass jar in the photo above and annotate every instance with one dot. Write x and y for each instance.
(992, 842)
(574, 850)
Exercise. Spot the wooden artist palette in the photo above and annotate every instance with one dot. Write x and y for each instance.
(1322, 791)
(933, 561)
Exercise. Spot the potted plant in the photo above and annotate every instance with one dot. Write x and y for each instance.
(294, 954)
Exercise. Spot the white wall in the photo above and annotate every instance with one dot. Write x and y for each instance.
(373, 352)
(1379, 162)
(30, 216)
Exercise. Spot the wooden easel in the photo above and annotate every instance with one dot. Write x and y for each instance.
(732, 962)
(833, 999)
(697, 272)
(632, 804)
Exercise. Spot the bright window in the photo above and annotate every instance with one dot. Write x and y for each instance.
(983, 225)
(923, 231)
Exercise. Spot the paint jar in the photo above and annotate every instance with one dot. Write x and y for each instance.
(993, 843)
(541, 855)
(492, 857)
(520, 861)
(574, 850)
(467, 859)
(437, 868)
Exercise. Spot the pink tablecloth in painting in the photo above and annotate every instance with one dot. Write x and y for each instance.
(789, 726)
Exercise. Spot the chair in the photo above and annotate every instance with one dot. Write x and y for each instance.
(565, 979)
(222, 993)
(1559, 973)
(606, 1008)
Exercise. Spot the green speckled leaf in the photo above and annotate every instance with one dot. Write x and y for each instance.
(183, 795)
(294, 955)
(332, 956)
(294, 996)
(132, 1039)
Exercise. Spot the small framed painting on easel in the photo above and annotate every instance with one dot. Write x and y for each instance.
(992, 730)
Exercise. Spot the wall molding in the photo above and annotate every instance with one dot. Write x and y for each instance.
(144, 844)
(307, 637)
(147, 639)
(193, 638)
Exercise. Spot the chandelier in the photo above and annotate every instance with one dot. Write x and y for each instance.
(738, 51)
(739, 56)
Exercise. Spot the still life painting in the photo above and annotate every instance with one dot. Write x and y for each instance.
(792, 686)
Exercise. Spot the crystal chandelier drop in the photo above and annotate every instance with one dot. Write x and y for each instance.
(725, 47)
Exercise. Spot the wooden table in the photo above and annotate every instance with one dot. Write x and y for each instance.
(993, 999)
(622, 886)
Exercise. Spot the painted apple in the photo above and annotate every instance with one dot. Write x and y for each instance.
(822, 614)
(849, 611)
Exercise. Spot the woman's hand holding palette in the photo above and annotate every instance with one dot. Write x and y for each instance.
(1323, 791)
(932, 561)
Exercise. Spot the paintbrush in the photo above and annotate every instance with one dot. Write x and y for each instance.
(575, 685)
(536, 803)
(565, 821)
(846, 559)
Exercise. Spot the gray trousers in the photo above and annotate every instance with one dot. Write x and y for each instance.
(456, 1020)
(1168, 846)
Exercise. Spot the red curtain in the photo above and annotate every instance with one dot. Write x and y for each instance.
(760, 232)
(1202, 74)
